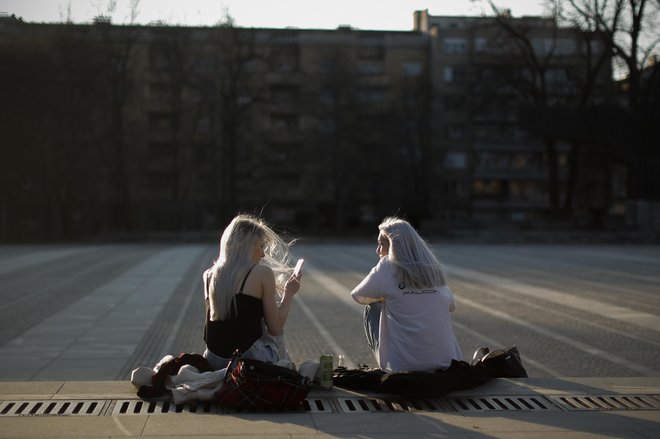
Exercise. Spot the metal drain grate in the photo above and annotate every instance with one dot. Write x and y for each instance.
(53, 408)
(513, 403)
(139, 407)
(317, 405)
(355, 405)
(128, 407)
(608, 402)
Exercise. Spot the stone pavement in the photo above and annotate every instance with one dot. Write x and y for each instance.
(507, 408)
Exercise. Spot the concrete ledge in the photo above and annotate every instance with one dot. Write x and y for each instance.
(643, 423)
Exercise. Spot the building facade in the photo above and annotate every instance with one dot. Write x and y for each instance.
(487, 72)
(178, 128)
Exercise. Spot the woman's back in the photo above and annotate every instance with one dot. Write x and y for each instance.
(238, 331)
(415, 324)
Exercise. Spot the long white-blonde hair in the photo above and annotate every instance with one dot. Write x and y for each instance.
(223, 279)
(417, 265)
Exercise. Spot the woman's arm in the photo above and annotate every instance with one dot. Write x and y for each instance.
(372, 287)
(274, 315)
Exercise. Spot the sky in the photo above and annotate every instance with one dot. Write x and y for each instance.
(310, 14)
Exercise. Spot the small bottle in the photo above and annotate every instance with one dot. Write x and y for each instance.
(341, 361)
(325, 371)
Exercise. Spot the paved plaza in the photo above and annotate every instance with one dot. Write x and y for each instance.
(95, 312)
(76, 319)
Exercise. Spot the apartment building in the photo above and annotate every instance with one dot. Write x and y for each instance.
(316, 128)
(485, 72)
(179, 128)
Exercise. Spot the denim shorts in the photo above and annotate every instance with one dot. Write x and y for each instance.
(268, 348)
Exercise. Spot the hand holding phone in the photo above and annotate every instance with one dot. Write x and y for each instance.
(298, 268)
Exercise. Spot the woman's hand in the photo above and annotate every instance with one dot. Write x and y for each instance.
(292, 285)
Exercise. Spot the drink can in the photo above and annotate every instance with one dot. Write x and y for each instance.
(325, 371)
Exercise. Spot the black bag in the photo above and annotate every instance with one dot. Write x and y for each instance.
(458, 376)
(257, 385)
(361, 378)
(504, 363)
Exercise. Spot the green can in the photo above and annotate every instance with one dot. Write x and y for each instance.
(325, 371)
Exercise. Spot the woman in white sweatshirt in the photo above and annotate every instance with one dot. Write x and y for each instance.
(407, 318)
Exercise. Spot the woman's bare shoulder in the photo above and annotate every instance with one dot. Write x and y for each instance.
(261, 270)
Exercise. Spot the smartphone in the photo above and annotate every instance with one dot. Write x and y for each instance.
(298, 267)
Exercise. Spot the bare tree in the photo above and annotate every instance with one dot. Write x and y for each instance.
(526, 74)
(629, 32)
(76, 156)
(226, 97)
(28, 96)
(333, 99)
(116, 44)
(628, 29)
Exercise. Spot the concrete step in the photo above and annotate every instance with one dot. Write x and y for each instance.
(566, 407)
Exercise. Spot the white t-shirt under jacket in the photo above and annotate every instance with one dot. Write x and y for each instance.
(415, 325)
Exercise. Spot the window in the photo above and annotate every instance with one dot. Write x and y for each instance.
(159, 57)
(481, 44)
(454, 102)
(370, 68)
(456, 187)
(448, 74)
(250, 66)
(596, 47)
(204, 125)
(454, 45)
(327, 65)
(542, 46)
(244, 96)
(161, 179)
(285, 65)
(561, 46)
(455, 131)
(371, 52)
(371, 95)
(284, 95)
(412, 68)
(526, 191)
(327, 126)
(160, 150)
(327, 97)
(490, 160)
(486, 188)
(284, 122)
(279, 153)
(556, 75)
(159, 122)
(455, 160)
(161, 90)
(566, 46)
(454, 74)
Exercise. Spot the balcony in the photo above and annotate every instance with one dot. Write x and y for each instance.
(508, 204)
(487, 173)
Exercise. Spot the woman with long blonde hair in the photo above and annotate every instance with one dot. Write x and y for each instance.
(407, 318)
(248, 292)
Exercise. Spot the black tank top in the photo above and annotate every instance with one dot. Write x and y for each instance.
(239, 330)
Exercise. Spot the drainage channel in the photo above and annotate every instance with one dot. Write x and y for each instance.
(608, 402)
(136, 407)
(53, 407)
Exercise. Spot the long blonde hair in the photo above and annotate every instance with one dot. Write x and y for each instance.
(223, 279)
(417, 265)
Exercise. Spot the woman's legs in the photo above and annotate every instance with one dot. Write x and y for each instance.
(372, 325)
